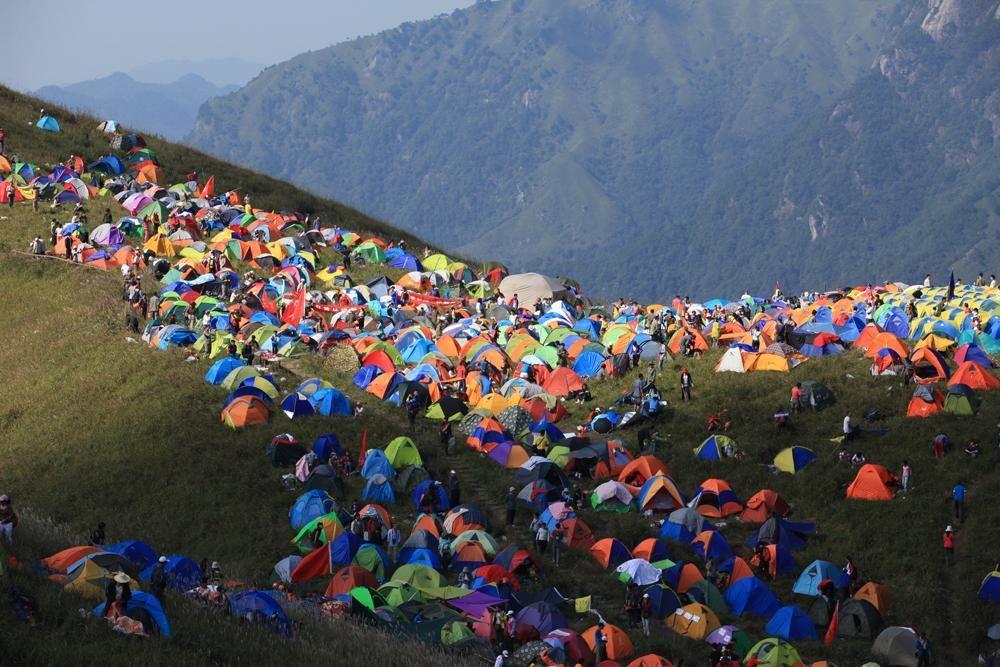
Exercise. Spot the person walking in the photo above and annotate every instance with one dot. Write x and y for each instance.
(511, 505)
(948, 540)
(958, 498)
(158, 581)
(796, 399)
(541, 537)
(646, 612)
(600, 644)
(905, 476)
(686, 384)
(393, 539)
(445, 436)
(922, 650)
(557, 537)
(412, 407)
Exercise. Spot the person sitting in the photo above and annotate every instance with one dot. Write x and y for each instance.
(858, 459)
(719, 421)
(973, 448)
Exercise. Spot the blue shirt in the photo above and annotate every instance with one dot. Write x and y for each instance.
(958, 493)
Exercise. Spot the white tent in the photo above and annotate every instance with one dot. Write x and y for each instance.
(530, 287)
(731, 361)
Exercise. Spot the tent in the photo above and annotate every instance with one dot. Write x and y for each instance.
(762, 505)
(814, 574)
(873, 482)
(794, 459)
(147, 609)
(975, 376)
(659, 493)
(245, 411)
(309, 506)
(610, 552)
(714, 448)
(751, 595)
(715, 498)
(990, 588)
(530, 287)
(329, 401)
(791, 623)
(858, 619)
(402, 452)
(694, 621)
(817, 395)
(774, 652)
(926, 402)
(961, 400)
(611, 496)
(48, 123)
(617, 647)
(896, 646)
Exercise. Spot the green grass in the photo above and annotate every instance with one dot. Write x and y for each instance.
(93, 427)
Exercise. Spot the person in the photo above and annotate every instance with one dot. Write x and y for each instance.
(454, 491)
(37, 246)
(973, 448)
(948, 540)
(922, 650)
(940, 446)
(392, 540)
(8, 520)
(633, 604)
(850, 430)
(927, 281)
(851, 571)
(3, 140)
(905, 476)
(958, 498)
(97, 537)
(661, 356)
(600, 642)
(796, 399)
(557, 538)
(646, 612)
(501, 660)
(446, 436)
(158, 580)
(858, 459)
(412, 407)
(686, 384)
(541, 537)
(117, 595)
(465, 578)
(511, 505)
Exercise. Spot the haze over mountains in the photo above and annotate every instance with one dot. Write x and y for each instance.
(706, 146)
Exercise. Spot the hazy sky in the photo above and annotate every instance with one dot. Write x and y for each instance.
(68, 42)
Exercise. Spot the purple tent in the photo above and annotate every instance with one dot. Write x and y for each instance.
(107, 235)
(541, 616)
(475, 603)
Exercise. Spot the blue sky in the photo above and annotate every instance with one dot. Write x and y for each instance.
(52, 38)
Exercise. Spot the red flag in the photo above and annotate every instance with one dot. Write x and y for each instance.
(364, 448)
(209, 189)
(295, 309)
(315, 564)
(831, 631)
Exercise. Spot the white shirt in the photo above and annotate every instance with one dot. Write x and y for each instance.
(500, 661)
(847, 424)
(927, 282)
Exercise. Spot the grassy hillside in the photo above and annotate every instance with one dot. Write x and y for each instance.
(503, 127)
(94, 427)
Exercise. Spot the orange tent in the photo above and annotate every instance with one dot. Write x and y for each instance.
(741, 570)
(578, 533)
(865, 338)
(974, 376)
(430, 523)
(562, 381)
(928, 367)
(918, 407)
(699, 344)
(604, 551)
(379, 387)
(350, 577)
(650, 660)
(716, 499)
(886, 340)
(763, 504)
(245, 411)
(61, 561)
(647, 549)
(690, 575)
(150, 173)
(637, 471)
(618, 647)
(873, 482)
(379, 359)
(877, 594)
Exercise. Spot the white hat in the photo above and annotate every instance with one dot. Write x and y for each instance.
(163, 559)
(948, 529)
(122, 578)
(4, 498)
(215, 565)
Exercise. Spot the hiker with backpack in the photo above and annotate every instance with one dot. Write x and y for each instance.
(8, 520)
(686, 384)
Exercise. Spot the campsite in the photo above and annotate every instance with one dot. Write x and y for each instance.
(170, 437)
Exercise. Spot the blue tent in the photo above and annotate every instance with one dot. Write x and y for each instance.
(436, 493)
(428, 557)
(588, 364)
(243, 390)
(716, 547)
(262, 609)
(709, 450)
(310, 505)
(331, 401)
(48, 123)
(137, 552)
(792, 624)
(406, 262)
(365, 375)
(814, 573)
(379, 490)
(377, 463)
(415, 351)
(663, 600)
(108, 164)
(751, 595)
(990, 588)
(788, 534)
(141, 604)
(297, 405)
(344, 549)
(676, 532)
(897, 324)
(327, 445)
(183, 574)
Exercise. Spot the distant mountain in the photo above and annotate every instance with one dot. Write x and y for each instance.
(637, 145)
(167, 109)
(220, 71)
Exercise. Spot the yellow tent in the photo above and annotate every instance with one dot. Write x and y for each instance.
(935, 342)
(160, 245)
(695, 621)
(90, 580)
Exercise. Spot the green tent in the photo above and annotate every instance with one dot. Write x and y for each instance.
(370, 252)
(418, 576)
(961, 404)
(396, 593)
(774, 652)
(817, 395)
(705, 592)
(455, 633)
(370, 559)
(155, 208)
(301, 539)
(403, 452)
(366, 597)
